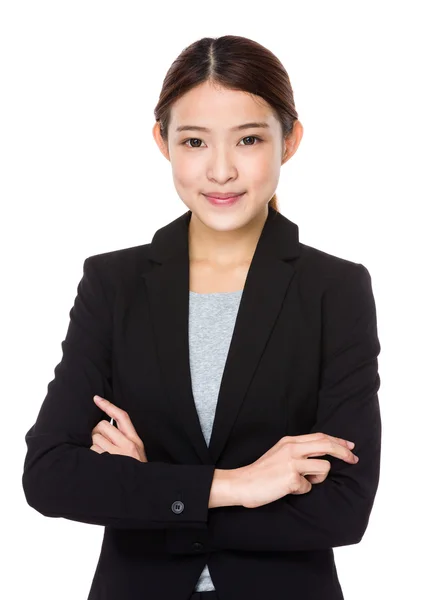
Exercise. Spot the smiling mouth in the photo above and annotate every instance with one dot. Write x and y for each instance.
(227, 201)
(222, 196)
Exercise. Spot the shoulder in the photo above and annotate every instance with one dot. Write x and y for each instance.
(324, 270)
(122, 264)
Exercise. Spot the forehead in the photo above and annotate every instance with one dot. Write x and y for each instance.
(219, 108)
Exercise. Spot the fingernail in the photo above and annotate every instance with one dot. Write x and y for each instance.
(97, 398)
(356, 458)
(351, 444)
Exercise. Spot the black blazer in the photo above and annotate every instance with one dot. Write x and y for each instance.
(303, 358)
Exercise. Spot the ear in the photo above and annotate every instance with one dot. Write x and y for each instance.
(292, 141)
(160, 142)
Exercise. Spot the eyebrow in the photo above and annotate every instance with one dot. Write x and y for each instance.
(237, 128)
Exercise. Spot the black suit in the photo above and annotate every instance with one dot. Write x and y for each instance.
(303, 359)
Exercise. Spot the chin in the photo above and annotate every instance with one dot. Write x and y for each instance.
(223, 221)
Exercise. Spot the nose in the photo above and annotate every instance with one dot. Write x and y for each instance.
(221, 167)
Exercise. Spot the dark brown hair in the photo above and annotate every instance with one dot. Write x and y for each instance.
(232, 62)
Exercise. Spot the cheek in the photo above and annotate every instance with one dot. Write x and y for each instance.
(260, 171)
(185, 172)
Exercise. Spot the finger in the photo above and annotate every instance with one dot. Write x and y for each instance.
(119, 415)
(315, 478)
(97, 449)
(103, 443)
(321, 447)
(304, 487)
(318, 435)
(313, 467)
(112, 434)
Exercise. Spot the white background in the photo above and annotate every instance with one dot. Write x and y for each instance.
(81, 174)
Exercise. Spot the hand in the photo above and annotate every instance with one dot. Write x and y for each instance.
(282, 469)
(124, 440)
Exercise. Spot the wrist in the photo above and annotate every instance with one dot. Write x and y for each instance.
(226, 488)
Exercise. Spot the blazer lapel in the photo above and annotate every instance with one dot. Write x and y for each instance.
(168, 293)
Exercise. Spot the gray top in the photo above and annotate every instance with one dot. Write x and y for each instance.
(211, 323)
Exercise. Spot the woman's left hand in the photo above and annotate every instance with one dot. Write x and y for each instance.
(124, 440)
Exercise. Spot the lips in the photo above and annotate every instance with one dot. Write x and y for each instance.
(226, 201)
(223, 195)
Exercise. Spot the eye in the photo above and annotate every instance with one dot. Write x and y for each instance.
(252, 137)
(189, 140)
(249, 137)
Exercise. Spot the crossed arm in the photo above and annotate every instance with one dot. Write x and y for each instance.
(64, 477)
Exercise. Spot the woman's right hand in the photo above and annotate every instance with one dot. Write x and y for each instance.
(283, 469)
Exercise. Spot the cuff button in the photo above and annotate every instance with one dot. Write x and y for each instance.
(177, 507)
(197, 546)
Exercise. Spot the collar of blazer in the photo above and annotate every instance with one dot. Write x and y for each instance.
(167, 284)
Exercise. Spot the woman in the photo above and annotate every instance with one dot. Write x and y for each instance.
(232, 359)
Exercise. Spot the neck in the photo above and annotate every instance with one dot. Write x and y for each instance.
(224, 248)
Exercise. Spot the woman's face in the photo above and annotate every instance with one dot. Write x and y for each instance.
(221, 157)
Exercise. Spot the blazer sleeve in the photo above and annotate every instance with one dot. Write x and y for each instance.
(335, 512)
(62, 476)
